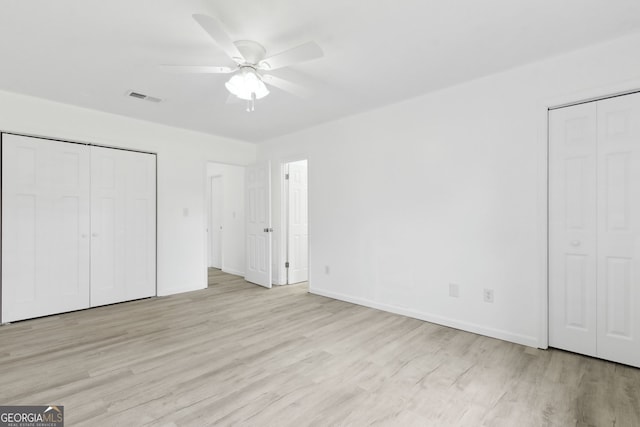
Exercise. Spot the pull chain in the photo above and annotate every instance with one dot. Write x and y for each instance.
(251, 105)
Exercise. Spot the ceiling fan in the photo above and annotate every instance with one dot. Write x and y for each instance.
(249, 78)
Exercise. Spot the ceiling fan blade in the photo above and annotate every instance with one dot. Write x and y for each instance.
(286, 86)
(208, 69)
(215, 29)
(302, 53)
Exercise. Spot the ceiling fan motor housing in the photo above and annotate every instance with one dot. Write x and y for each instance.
(253, 52)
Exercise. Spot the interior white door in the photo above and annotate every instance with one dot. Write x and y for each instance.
(123, 225)
(215, 226)
(45, 227)
(258, 224)
(572, 228)
(619, 229)
(298, 234)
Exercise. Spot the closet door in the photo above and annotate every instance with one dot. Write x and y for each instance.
(123, 225)
(45, 227)
(572, 228)
(619, 229)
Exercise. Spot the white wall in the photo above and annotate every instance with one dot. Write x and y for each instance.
(181, 169)
(233, 221)
(449, 187)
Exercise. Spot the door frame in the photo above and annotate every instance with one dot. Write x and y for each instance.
(206, 202)
(543, 107)
(210, 220)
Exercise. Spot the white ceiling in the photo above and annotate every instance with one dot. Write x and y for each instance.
(91, 52)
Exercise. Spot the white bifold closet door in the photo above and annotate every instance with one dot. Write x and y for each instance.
(78, 226)
(573, 228)
(619, 229)
(45, 227)
(594, 229)
(123, 225)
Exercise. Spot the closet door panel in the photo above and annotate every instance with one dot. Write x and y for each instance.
(107, 219)
(123, 226)
(45, 227)
(572, 229)
(140, 233)
(619, 229)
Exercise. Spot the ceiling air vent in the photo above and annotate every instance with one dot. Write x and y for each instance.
(143, 96)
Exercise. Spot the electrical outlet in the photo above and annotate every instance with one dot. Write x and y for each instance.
(327, 270)
(488, 295)
(454, 290)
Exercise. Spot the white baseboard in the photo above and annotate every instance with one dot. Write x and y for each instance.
(427, 317)
(173, 291)
(234, 272)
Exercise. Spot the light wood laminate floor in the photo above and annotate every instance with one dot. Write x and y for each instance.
(239, 354)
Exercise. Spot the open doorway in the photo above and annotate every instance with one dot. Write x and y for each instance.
(296, 223)
(226, 218)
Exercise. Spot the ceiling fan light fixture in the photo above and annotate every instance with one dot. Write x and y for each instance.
(247, 85)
